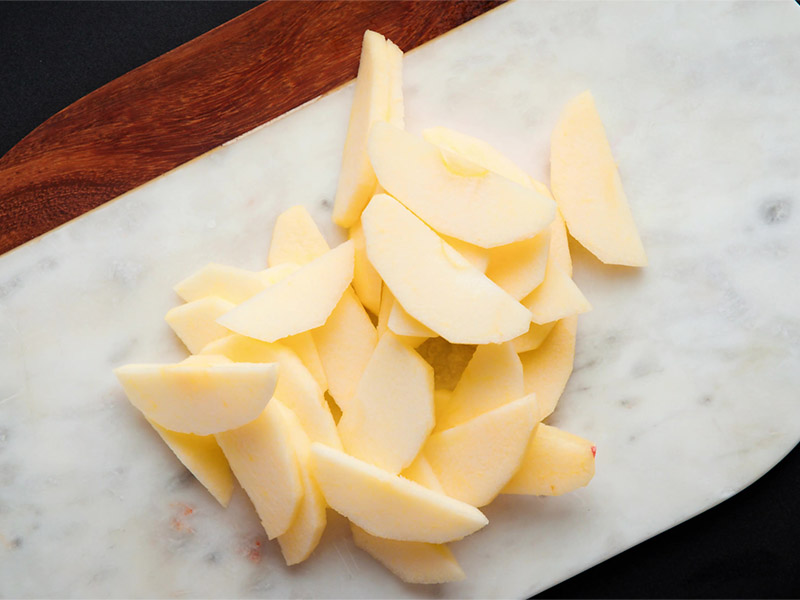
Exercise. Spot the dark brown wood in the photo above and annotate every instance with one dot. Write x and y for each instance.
(246, 72)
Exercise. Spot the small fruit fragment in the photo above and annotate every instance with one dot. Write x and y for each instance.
(295, 238)
(195, 322)
(229, 283)
(556, 298)
(533, 338)
(366, 281)
(303, 345)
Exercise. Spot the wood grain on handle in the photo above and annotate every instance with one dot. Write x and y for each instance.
(246, 72)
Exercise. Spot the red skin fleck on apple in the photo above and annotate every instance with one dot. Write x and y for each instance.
(594, 451)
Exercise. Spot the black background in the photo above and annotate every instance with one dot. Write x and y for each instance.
(52, 54)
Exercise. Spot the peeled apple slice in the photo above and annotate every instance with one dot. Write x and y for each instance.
(555, 462)
(421, 472)
(296, 388)
(375, 85)
(229, 283)
(303, 345)
(556, 298)
(302, 301)
(304, 534)
(586, 184)
(295, 238)
(396, 114)
(199, 399)
(476, 256)
(401, 323)
(493, 377)
(195, 323)
(533, 338)
(264, 460)
(559, 245)
(483, 209)
(366, 281)
(345, 344)
(520, 267)
(390, 506)
(434, 283)
(202, 456)
(391, 414)
(474, 460)
(547, 369)
(413, 562)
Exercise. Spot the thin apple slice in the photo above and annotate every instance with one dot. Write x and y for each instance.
(229, 283)
(390, 506)
(586, 184)
(483, 208)
(302, 301)
(555, 462)
(199, 399)
(296, 387)
(264, 461)
(520, 267)
(345, 344)
(366, 281)
(547, 369)
(474, 460)
(559, 245)
(387, 301)
(476, 256)
(434, 283)
(303, 345)
(304, 534)
(376, 83)
(413, 562)
(557, 298)
(391, 414)
(401, 323)
(295, 238)
(195, 322)
(396, 115)
(533, 338)
(493, 378)
(421, 472)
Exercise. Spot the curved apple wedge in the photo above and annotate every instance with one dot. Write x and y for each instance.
(390, 506)
(199, 398)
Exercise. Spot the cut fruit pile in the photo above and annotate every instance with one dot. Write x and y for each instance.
(402, 377)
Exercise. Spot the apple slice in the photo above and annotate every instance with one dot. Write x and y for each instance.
(366, 281)
(587, 187)
(533, 338)
(476, 256)
(195, 322)
(556, 462)
(304, 534)
(520, 267)
(478, 207)
(376, 85)
(199, 399)
(474, 460)
(390, 506)
(396, 115)
(345, 344)
(401, 323)
(387, 301)
(304, 347)
(391, 414)
(556, 298)
(547, 369)
(202, 456)
(229, 283)
(434, 283)
(413, 562)
(493, 378)
(421, 472)
(295, 238)
(559, 245)
(296, 388)
(264, 461)
(302, 301)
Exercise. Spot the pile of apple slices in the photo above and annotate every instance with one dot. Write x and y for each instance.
(402, 377)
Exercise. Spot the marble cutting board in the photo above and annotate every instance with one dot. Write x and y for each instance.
(686, 376)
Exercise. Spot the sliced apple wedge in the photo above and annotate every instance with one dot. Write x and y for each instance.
(519, 268)
(302, 301)
(413, 562)
(296, 387)
(390, 506)
(481, 208)
(586, 184)
(555, 462)
(476, 256)
(474, 460)
(421, 472)
(304, 347)
(401, 323)
(533, 338)
(199, 399)
(556, 298)
(295, 238)
(559, 245)
(366, 281)
(264, 461)
(396, 114)
(391, 414)
(434, 283)
(304, 534)
(229, 283)
(547, 369)
(345, 344)
(493, 378)
(195, 322)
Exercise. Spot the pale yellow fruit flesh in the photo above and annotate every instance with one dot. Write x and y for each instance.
(434, 283)
(295, 238)
(412, 562)
(486, 210)
(474, 460)
(303, 345)
(366, 281)
(547, 369)
(391, 414)
(380, 503)
(476, 256)
(401, 323)
(533, 338)
(556, 298)
(555, 462)
(302, 301)
(421, 472)
(264, 460)
(229, 283)
(296, 387)
(586, 184)
(199, 399)
(519, 268)
(195, 323)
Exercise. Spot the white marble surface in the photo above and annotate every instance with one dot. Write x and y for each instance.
(687, 374)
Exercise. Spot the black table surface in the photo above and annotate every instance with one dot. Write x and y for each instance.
(52, 54)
